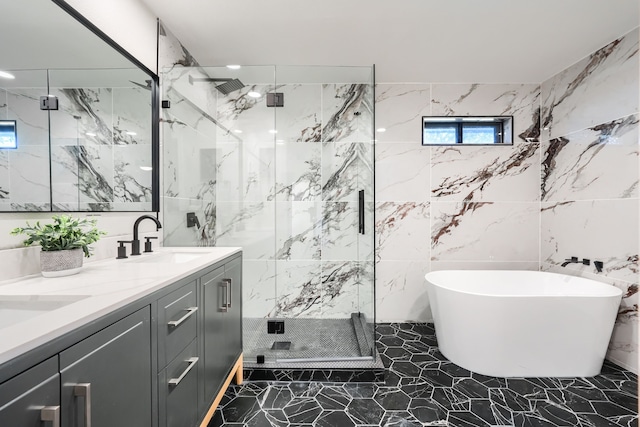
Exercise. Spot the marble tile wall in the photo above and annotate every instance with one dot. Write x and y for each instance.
(589, 181)
(451, 207)
(568, 186)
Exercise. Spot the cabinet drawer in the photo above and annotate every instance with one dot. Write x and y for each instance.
(177, 322)
(23, 398)
(178, 390)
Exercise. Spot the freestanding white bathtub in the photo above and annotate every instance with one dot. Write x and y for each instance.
(523, 323)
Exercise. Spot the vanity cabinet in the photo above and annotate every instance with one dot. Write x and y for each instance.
(221, 292)
(162, 360)
(106, 378)
(32, 398)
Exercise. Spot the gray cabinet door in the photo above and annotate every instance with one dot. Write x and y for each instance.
(107, 376)
(222, 326)
(23, 397)
(178, 390)
(214, 299)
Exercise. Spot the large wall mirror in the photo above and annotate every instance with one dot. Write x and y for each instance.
(97, 150)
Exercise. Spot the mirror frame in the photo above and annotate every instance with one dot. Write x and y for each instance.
(155, 101)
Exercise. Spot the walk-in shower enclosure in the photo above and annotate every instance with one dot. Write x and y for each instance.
(279, 160)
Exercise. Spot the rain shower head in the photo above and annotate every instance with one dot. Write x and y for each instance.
(227, 86)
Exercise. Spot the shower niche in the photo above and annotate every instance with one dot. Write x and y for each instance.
(279, 160)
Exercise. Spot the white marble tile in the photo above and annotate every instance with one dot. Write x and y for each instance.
(603, 230)
(170, 51)
(347, 112)
(245, 171)
(339, 231)
(403, 172)
(5, 177)
(399, 110)
(485, 265)
(300, 118)
(299, 289)
(597, 163)
(131, 182)
(23, 105)
(484, 231)
(83, 113)
(298, 230)
(508, 173)
(367, 290)
(29, 175)
(247, 224)
(132, 114)
(258, 288)
(4, 110)
(402, 231)
(522, 101)
(341, 286)
(175, 230)
(82, 173)
(346, 169)
(239, 112)
(600, 88)
(401, 291)
(189, 165)
(297, 171)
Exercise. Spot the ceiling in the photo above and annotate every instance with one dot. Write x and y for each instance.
(408, 40)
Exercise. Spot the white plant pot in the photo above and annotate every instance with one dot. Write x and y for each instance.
(61, 263)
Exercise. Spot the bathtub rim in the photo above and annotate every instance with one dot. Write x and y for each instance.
(607, 290)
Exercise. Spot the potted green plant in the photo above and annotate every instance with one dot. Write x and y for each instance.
(64, 242)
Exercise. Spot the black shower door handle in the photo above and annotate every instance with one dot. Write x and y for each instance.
(361, 211)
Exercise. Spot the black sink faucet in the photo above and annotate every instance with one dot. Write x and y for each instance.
(135, 244)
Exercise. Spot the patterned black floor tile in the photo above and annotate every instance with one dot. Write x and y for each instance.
(302, 410)
(422, 387)
(275, 397)
(392, 399)
(240, 409)
(465, 419)
(333, 419)
(333, 398)
(365, 411)
(427, 411)
(451, 399)
(399, 419)
(359, 391)
(555, 414)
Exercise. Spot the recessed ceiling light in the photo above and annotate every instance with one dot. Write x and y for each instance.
(146, 168)
(280, 141)
(6, 75)
(131, 133)
(233, 67)
(273, 131)
(237, 131)
(381, 130)
(254, 94)
(90, 134)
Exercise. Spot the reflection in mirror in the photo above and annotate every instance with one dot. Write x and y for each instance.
(95, 152)
(101, 140)
(24, 171)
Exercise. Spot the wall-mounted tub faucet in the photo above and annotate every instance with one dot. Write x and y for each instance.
(575, 260)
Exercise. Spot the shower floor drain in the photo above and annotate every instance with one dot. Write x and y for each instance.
(281, 345)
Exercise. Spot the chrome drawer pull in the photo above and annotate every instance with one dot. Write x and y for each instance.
(84, 390)
(189, 310)
(225, 305)
(51, 413)
(229, 286)
(192, 362)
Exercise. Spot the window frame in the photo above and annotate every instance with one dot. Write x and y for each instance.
(460, 122)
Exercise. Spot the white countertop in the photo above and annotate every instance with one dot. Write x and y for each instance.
(100, 288)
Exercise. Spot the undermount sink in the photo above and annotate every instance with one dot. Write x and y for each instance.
(18, 308)
(173, 257)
